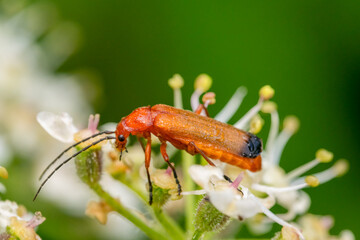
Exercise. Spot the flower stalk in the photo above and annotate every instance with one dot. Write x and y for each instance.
(146, 227)
(187, 161)
(170, 226)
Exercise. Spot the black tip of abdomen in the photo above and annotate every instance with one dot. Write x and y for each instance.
(253, 147)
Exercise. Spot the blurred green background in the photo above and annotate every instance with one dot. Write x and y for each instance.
(309, 51)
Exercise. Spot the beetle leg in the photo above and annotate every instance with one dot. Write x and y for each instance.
(227, 179)
(147, 164)
(202, 153)
(166, 158)
(200, 108)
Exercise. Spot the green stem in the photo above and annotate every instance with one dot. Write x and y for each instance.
(137, 190)
(169, 224)
(118, 207)
(197, 235)
(187, 161)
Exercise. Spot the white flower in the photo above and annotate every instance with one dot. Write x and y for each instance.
(61, 126)
(281, 188)
(231, 201)
(28, 83)
(9, 209)
(317, 228)
(272, 175)
(273, 180)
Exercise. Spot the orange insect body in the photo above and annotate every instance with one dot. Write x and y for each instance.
(185, 130)
(192, 132)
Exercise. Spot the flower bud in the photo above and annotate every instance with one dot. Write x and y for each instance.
(98, 210)
(164, 188)
(160, 196)
(117, 169)
(289, 233)
(176, 82)
(163, 179)
(3, 173)
(88, 166)
(347, 235)
(208, 218)
(20, 229)
(203, 82)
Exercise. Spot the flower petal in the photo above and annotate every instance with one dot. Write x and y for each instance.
(59, 126)
(230, 203)
(202, 174)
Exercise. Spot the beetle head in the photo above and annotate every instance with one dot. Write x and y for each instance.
(121, 136)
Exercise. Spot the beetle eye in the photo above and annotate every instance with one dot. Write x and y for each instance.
(121, 138)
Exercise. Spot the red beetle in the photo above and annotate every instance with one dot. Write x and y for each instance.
(185, 130)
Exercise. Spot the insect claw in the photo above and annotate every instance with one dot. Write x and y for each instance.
(126, 150)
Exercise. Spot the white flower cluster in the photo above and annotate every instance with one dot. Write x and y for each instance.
(250, 194)
(8, 209)
(245, 197)
(16, 221)
(62, 128)
(28, 83)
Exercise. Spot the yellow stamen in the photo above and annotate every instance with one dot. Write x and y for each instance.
(266, 92)
(268, 107)
(80, 135)
(341, 167)
(291, 124)
(312, 181)
(203, 82)
(324, 155)
(176, 82)
(3, 173)
(256, 124)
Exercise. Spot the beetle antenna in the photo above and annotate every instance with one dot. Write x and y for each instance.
(67, 160)
(74, 145)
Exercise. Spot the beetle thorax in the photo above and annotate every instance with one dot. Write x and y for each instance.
(138, 121)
